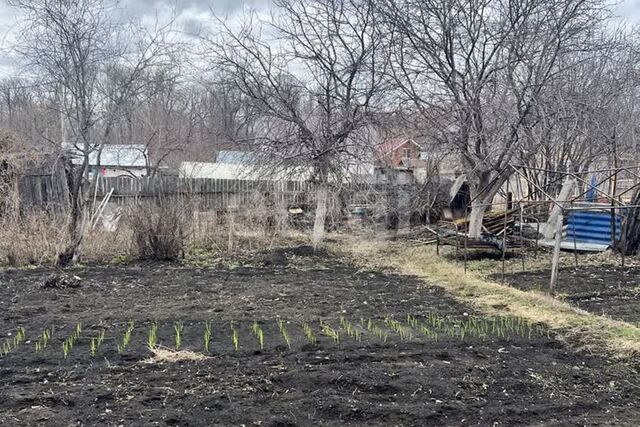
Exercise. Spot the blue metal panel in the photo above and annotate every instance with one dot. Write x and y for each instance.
(591, 226)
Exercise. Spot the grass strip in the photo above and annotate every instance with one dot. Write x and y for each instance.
(578, 327)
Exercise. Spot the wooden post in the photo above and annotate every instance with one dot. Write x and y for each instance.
(556, 253)
(231, 225)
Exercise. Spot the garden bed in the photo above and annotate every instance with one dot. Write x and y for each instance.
(599, 289)
(340, 345)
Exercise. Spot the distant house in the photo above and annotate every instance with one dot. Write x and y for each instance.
(398, 153)
(400, 156)
(115, 160)
(217, 171)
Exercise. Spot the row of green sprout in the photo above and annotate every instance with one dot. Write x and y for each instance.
(10, 344)
(433, 326)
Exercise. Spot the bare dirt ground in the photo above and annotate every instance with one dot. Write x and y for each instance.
(501, 373)
(599, 289)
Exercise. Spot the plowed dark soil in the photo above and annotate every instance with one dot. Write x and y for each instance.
(503, 379)
(599, 289)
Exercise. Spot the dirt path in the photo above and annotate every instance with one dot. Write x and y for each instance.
(389, 372)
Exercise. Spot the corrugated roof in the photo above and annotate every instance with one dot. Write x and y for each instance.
(235, 157)
(120, 155)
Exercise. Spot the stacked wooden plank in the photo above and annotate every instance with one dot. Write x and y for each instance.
(494, 221)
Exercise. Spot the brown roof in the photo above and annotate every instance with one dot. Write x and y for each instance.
(392, 145)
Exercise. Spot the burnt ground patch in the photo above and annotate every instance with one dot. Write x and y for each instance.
(599, 289)
(493, 379)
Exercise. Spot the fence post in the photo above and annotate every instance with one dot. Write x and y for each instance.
(556, 252)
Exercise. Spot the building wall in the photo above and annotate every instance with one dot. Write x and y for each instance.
(395, 158)
(115, 171)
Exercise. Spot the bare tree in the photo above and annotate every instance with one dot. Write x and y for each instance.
(476, 69)
(72, 45)
(585, 106)
(312, 86)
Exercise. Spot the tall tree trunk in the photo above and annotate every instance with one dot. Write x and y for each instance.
(565, 194)
(322, 196)
(629, 242)
(69, 255)
(392, 219)
(475, 220)
(482, 193)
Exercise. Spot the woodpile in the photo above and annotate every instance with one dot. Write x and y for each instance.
(494, 222)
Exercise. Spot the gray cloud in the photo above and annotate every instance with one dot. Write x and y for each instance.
(628, 10)
(144, 7)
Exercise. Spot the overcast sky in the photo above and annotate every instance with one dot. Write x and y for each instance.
(193, 12)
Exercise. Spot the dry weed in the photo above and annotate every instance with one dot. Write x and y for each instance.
(167, 355)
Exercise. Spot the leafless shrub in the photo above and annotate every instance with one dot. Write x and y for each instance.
(31, 239)
(160, 227)
(9, 201)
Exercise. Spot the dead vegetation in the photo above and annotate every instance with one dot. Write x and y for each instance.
(30, 240)
(160, 226)
(167, 355)
(158, 229)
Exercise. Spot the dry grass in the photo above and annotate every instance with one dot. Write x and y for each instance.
(167, 355)
(103, 246)
(36, 239)
(238, 230)
(486, 267)
(589, 331)
(31, 240)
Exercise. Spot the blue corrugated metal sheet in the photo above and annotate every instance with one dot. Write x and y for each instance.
(591, 226)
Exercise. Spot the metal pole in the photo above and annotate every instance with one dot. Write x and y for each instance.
(504, 233)
(466, 235)
(521, 236)
(623, 249)
(575, 249)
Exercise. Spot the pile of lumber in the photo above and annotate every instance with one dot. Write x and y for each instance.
(493, 222)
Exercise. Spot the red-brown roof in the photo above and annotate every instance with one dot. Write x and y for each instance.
(392, 145)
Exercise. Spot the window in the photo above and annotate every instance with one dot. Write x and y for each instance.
(406, 153)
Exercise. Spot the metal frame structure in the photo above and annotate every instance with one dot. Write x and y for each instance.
(565, 206)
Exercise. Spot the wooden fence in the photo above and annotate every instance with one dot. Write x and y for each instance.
(44, 192)
(208, 194)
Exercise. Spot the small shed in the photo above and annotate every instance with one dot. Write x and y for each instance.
(459, 197)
